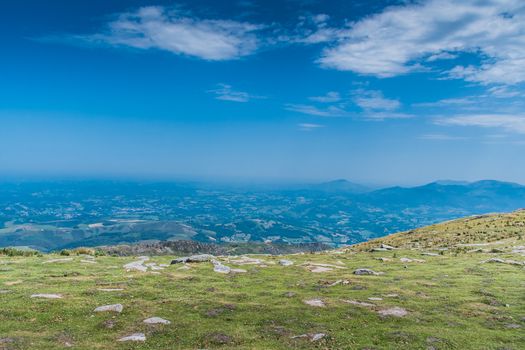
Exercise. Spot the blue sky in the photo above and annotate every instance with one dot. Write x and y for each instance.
(379, 92)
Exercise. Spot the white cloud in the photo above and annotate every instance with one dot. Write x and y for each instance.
(330, 97)
(309, 126)
(373, 100)
(225, 92)
(397, 40)
(160, 28)
(331, 111)
(441, 137)
(506, 122)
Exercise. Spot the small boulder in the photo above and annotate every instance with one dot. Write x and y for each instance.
(365, 272)
(393, 311)
(285, 262)
(315, 302)
(110, 308)
(134, 337)
(47, 296)
(156, 320)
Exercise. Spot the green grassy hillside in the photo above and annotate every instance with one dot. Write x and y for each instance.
(450, 300)
(485, 230)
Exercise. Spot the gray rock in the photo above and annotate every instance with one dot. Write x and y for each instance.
(393, 311)
(315, 302)
(156, 320)
(365, 272)
(429, 254)
(220, 268)
(110, 308)
(311, 336)
(193, 259)
(285, 262)
(387, 247)
(134, 337)
(47, 296)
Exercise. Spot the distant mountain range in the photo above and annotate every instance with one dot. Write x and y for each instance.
(55, 215)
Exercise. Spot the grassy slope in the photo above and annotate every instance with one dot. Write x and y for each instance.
(472, 230)
(454, 302)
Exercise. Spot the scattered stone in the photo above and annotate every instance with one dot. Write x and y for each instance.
(156, 320)
(134, 337)
(394, 311)
(57, 260)
(47, 296)
(3, 291)
(359, 303)
(408, 260)
(503, 261)
(219, 338)
(320, 269)
(110, 289)
(220, 268)
(345, 282)
(512, 326)
(246, 261)
(375, 250)
(237, 271)
(110, 308)
(315, 302)
(384, 259)
(365, 272)
(193, 259)
(285, 262)
(392, 295)
(311, 336)
(136, 266)
(387, 247)
(289, 294)
(375, 299)
(429, 254)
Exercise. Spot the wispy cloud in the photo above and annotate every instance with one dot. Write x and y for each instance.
(330, 97)
(309, 126)
(506, 122)
(441, 137)
(373, 100)
(226, 92)
(161, 28)
(330, 111)
(402, 38)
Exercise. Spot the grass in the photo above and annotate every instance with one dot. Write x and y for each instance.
(454, 302)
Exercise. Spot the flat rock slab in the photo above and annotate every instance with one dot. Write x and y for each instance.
(57, 260)
(134, 337)
(315, 302)
(311, 336)
(408, 260)
(429, 254)
(503, 261)
(246, 261)
(110, 289)
(393, 311)
(285, 262)
(47, 296)
(156, 320)
(110, 308)
(136, 266)
(193, 259)
(359, 303)
(366, 272)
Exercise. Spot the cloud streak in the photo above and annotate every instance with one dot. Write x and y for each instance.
(160, 28)
(226, 92)
(398, 40)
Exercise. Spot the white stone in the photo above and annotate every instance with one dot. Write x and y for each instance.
(110, 308)
(134, 337)
(156, 320)
(47, 296)
(315, 302)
